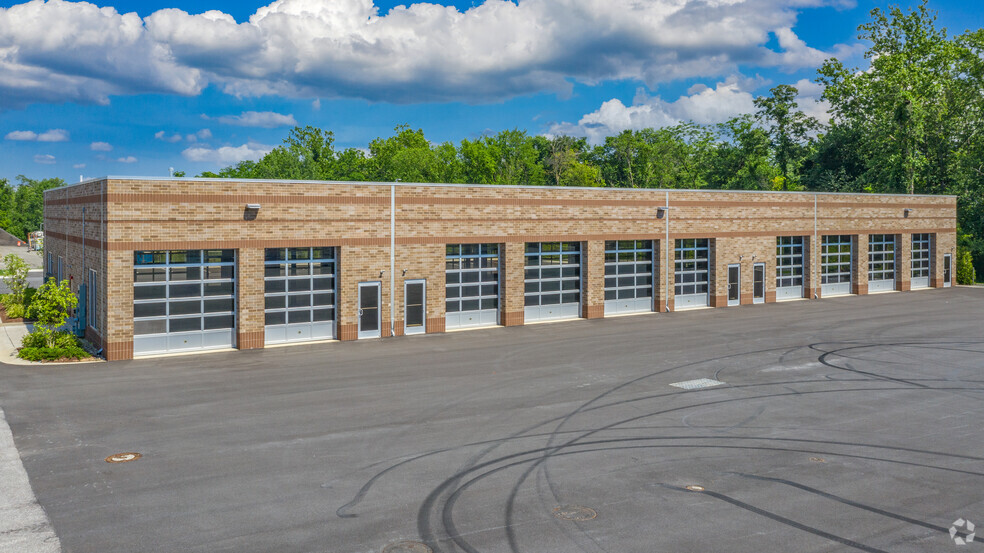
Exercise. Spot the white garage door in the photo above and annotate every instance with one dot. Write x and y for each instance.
(183, 300)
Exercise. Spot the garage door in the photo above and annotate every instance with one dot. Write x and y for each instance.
(789, 267)
(183, 300)
(299, 294)
(471, 285)
(691, 273)
(835, 265)
(628, 276)
(881, 262)
(553, 281)
(920, 260)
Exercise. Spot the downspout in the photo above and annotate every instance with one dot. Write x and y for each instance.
(669, 262)
(814, 251)
(393, 260)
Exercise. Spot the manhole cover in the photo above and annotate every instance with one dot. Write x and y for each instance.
(698, 384)
(123, 457)
(576, 513)
(406, 546)
(695, 488)
(818, 459)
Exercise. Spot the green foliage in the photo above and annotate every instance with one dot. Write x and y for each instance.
(14, 274)
(790, 131)
(50, 306)
(38, 346)
(965, 267)
(22, 205)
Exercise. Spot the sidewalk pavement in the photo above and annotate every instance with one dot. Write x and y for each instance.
(11, 335)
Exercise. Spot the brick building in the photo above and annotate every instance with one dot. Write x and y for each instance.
(193, 264)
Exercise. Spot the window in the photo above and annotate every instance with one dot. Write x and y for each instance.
(789, 262)
(553, 273)
(471, 278)
(835, 259)
(183, 291)
(691, 266)
(881, 257)
(921, 257)
(91, 295)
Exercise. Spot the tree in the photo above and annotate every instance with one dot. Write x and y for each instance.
(789, 129)
(14, 275)
(50, 307)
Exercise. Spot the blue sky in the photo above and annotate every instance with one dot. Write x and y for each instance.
(134, 88)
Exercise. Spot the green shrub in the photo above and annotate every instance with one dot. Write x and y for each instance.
(65, 346)
(15, 311)
(29, 296)
(965, 267)
(49, 308)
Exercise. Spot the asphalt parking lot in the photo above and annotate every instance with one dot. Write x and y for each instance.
(847, 424)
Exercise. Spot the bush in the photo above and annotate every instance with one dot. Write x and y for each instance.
(17, 306)
(965, 267)
(65, 346)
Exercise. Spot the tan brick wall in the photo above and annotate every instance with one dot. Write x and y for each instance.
(355, 217)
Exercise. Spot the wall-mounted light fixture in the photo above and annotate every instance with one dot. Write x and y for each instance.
(906, 212)
(405, 272)
(253, 207)
(380, 274)
(661, 211)
(251, 211)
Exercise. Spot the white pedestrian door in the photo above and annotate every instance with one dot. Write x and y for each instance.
(734, 285)
(758, 283)
(947, 270)
(415, 307)
(369, 310)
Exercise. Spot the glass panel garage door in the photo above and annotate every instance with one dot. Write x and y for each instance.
(789, 267)
(299, 294)
(692, 275)
(920, 260)
(183, 300)
(553, 280)
(472, 285)
(835, 265)
(628, 276)
(881, 262)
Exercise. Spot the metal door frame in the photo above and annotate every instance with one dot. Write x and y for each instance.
(947, 270)
(736, 301)
(379, 308)
(422, 329)
(754, 298)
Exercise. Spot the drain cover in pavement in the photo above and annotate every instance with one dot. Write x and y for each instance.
(123, 457)
(406, 546)
(576, 513)
(697, 384)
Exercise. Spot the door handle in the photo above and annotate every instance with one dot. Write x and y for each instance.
(360, 312)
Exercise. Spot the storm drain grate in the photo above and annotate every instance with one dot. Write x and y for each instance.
(576, 513)
(697, 384)
(123, 457)
(406, 546)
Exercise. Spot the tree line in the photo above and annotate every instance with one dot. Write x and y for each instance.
(22, 204)
(910, 122)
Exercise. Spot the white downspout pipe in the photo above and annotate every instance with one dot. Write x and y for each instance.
(393, 260)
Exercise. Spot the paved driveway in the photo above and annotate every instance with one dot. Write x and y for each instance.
(848, 424)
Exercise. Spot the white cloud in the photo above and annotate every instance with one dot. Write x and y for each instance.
(809, 100)
(58, 50)
(26, 136)
(227, 155)
(78, 166)
(264, 119)
(44, 159)
(703, 105)
(101, 147)
(161, 135)
(127, 159)
(53, 135)
(316, 104)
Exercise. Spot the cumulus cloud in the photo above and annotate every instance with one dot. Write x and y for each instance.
(101, 147)
(44, 159)
(809, 100)
(53, 135)
(227, 155)
(161, 135)
(703, 105)
(264, 119)
(127, 159)
(78, 166)
(58, 51)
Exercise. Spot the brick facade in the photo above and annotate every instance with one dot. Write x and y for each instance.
(124, 215)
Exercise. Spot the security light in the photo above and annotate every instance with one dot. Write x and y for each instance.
(906, 211)
(253, 207)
